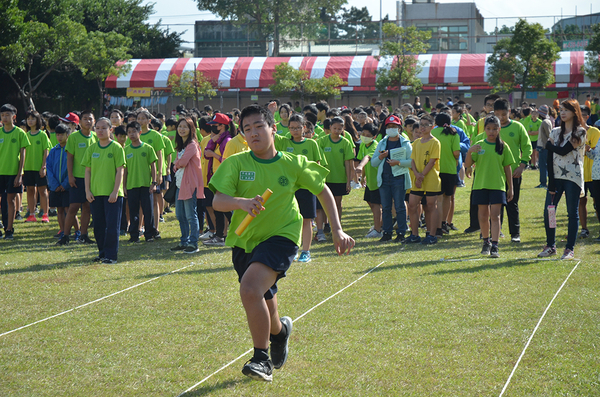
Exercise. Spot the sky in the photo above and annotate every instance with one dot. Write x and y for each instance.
(180, 15)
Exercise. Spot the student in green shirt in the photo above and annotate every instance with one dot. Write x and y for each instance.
(533, 129)
(283, 126)
(13, 142)
(140, 182)
(104, 162)
(265, 250)
(34, 176)
(372, 197)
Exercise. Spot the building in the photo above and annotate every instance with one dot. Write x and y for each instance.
(224, 39)
(455, 27)
(573, 32)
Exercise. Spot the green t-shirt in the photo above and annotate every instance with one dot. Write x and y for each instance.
(139, 159)
(166, 152)
(154, 139)
(53, 140)
(11, 144)
(245, 175)
(307, 147)
(370, 171)
(461, 124)
(281, 129)
(319, 131)
(449, 144)
(171, 135)
(515, 135)
(534, 126)
(103, 163)
(77, 144)
(490, 166)
(280, 142)
(34, 154)
(336, 154)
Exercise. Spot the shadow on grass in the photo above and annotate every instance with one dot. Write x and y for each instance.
(39, 268)
(205, 390)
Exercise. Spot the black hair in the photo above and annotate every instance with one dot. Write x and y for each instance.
(257, 109)
(36, 116)
(298, 118)
(370, 128)
(427, 102)
(410, 120)
(203, 123)
(180, 108)
(310, 128)
(7, 107)
(349, 126)
(287, 107)
(322, 105)
(338, 120)
(135, 125)
(157, 124)
(458, 109)
(53, 121)
(310, 108)
(326, 124)
(445, 121)
(440, 105)
(501, 104)
(312, 117)
(62, 129)
(491, 119)
(346, 111)
(120, 130)
(378, 103)
(87, 111)
(171, 121)
(491, 97)
(333, 112)
(160, 116)
(208, 108)
(585, 109)
(118, 112)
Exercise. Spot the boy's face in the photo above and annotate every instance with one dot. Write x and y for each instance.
(7, 118)
(534, 116)
(72, 126)
(121, 138)
(87, 121)
(425, 127)
(503, 115)
(337, 129)
(142, 119)
(62, 139)
(133, 134)
(103, 130)
(259, 134)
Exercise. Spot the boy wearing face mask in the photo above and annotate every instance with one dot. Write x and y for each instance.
(392, 158)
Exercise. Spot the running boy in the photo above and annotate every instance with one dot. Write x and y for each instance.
(13, 142)
(264, 252)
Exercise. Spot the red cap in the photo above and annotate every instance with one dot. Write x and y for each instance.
(71, 118)
(220, 118)
(393, 119)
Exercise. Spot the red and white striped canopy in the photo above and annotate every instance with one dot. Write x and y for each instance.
(256, 73)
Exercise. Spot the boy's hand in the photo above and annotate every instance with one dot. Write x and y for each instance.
(43, 172)
(342, 242)
(383, 154)
(509, 195)
(113, 197)
(348, 188)
(72, 182)
(252, 206)
(474, 148)
(89, 196)
(18, 181)
(60, 189)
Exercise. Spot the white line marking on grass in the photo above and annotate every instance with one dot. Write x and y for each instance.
(534, 331)
(95, 301)
(296, 319)
(490, 258)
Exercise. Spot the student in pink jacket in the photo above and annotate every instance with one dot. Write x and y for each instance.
(190, 186)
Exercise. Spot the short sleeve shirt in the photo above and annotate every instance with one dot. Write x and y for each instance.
(139, 160)
(490, 166)
(154, 139)
(11, 144)
(77, 144)
(515, 135)
(166, 152)
(593, 134)
(34, 154)
(336, 154)
(103, 163)
(370, 171)
(422, 153)
(534, 126)
(307, 147)
(448, 145)
(245, 175)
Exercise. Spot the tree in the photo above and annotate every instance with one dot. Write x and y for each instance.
(503, 30)
(515, 61)
(192, 84)
(400, 47)
(271, 19)
(592, 62)
(299, 84)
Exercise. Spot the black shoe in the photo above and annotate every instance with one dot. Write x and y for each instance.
(486, 249)
(85, 239)
(157, 236)
(168, 210)
(63, 241)
(259, 370)
(150, 239)
(386, 237)
(399, 238)
(98, 259)
(327, 228)
(178, 248)
(515, 238)
(109, 261)
(494, 252)
(279, 350)
(191, 249)
(9, 234)
(451, 226)
(471, 229)
(134, 240)
(18, 217)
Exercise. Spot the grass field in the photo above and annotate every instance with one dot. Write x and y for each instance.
(414, 324)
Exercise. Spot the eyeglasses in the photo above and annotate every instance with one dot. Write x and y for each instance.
(295, 128)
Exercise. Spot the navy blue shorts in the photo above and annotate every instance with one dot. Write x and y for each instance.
(77, 194)
(449, 182)
(372, 196)
(338, 189)
(208, 197)
(59, 199)
(276, 252)
(488, 197)
(33, 178)
(307, 202)
(7, 185)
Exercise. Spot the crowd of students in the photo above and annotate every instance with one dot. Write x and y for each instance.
(214, 166)
(409, 162)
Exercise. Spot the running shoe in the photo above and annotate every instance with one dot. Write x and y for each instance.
(304, 257)
(180, 247)
(60, 234)
(9, 234)
(471, 229)
(386, 237)
(45, 218)
(259, 370)
(487, 248)
(191, 249)
(568, 254)
(547, 251)
(399, 238)
(215, 242)
(64, 240)
(374, 234)
(327, 228)
(412, 239)
(18, 217)
(584, 233)
(31, 218)
(515, 238)
(321, 237)
(451, 226)
(109, 261)
(429, 240)
(85, 239)
(279, 350)
(495, 252)
(77, 234)
(207, 235)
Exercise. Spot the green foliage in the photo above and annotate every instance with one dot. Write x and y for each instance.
(191, 85)
(503, 30)
(299, 84)
(401, 46)
(592, 64)
(271, 19)
(517, 62)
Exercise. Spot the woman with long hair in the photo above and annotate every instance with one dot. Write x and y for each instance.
(565, 174)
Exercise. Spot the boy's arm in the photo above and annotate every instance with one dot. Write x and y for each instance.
(52, 180)
(153, 173)
(159, 154)
(43, 171)
(362, 163)
(70, 160)
(509, 181)
(88, 177)
(349, 164)
(225, 203)
(125, 182)
(118, 180)
(342, 242)
(19, 177)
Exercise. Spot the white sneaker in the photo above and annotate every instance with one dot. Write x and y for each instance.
(374, 234)
(353, 185)
(321, 237)
(215, 242)
(207, 236)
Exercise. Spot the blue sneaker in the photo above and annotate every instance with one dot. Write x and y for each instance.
(429, 240)
(304, 256)
(77, 235)
(412, 239)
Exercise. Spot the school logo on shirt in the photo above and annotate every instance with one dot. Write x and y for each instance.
(144, 154)
(290, 150)
(341, 150)
(95, 155)
(150, 141)
(14, 140)
(482, 151)
(110, 155)
(283, 181)
(129, 155)
(247, 175)
(81, 145)
(327, 149)
(1, 140)
(38, 142)
(305, 151)
(511, 134)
